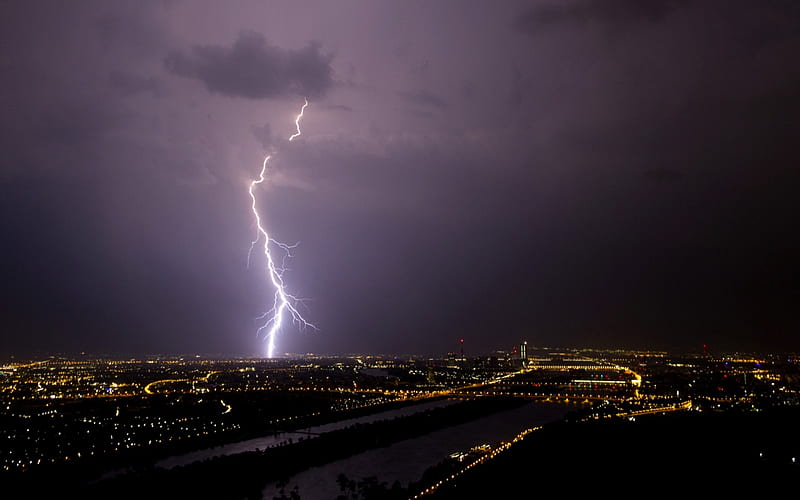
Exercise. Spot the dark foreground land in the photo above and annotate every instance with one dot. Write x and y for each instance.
(245, 475)
(679, 454)
(682, 455)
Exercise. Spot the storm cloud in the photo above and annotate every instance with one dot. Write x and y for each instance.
(618, 13)
(253, 68)
(609, 173)
(424, 98)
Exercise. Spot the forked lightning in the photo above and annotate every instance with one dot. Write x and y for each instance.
(283, 302)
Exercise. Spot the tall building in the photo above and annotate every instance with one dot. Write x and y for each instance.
(523, 351)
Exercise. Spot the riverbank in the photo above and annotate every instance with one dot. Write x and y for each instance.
(288, 437)
(245, 475)
(415, 460)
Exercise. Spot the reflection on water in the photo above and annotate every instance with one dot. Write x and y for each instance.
(407, 460)
(283, 438)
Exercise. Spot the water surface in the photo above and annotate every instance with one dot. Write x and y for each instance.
(282, 438)
(407, 460)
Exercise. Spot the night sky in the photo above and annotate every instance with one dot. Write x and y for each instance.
(570, 172)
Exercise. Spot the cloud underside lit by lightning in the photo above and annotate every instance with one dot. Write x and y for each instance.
(284, 304)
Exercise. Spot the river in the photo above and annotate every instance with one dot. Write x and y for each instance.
(405, 461)
(282, 438)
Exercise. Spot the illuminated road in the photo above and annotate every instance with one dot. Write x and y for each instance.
(686, 405)
(149, 387)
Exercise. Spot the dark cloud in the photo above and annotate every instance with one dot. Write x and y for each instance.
(425, 115)
(616, 12)
(775, 18)
(339, 107)
(255, 69)
(663, 174)
(519, 87)
(424, 98)
(263, 135)
(641, 191)
(422, 69)
(130, 84)
(131, 28)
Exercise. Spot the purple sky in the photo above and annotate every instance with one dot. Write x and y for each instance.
(570, 172)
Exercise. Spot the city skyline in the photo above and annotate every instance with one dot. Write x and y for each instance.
(88, 418)
(570, 173)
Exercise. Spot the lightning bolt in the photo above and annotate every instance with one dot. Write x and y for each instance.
(297, 121)
(284, 304)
